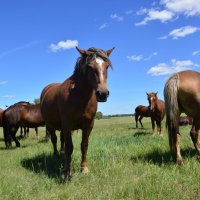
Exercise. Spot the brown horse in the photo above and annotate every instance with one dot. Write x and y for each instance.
(72, 105)
(140, 112)
(182, 94)
(185, 120)
(1, 115)
(20, 114)
(157, 111)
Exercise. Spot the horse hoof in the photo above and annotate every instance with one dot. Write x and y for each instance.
(179, 162)
(85, 170)
(18, 145)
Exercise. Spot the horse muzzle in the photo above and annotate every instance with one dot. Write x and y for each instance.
(102, 95)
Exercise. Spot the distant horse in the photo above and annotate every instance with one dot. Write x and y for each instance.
(140, 112)
(72, 105)
(185, 120)
(16, 115)
(25, 130)
(1, 115)
(182, 94)
(157, 111)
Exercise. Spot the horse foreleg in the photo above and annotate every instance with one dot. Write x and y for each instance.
(158, 123)
(153, 125)
(140, 120)
(136, 120)
(68, 153)
(62, 142)
(84, 148)
(36, 131)
(194, 133)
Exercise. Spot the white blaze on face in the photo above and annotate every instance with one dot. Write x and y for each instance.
(100, 62)
(151, 99)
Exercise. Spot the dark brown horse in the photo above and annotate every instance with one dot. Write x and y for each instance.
(72, 105)
(157, 111)
(19, 114)
(1, 115)
(140, 112)
(185, 120)
(182, 94)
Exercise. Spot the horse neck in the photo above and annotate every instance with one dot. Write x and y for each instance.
(81, 84)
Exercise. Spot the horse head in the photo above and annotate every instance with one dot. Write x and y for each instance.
(152, 98)
(95, 64)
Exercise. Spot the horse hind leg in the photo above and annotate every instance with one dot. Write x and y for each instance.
(53, 140)
(13, 132)
(136, 120)
(140, 120)
(194, 133)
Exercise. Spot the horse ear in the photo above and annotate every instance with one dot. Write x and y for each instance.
(147, 93)
(156, 93)
(108, 52)
(82, 51)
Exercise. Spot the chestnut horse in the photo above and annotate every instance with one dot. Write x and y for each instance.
(157, 111)
(1, 115)
(182, 94)
(20, 114)
(140, 112)
(72, 105)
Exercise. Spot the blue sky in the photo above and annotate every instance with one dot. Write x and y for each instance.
(152, 40)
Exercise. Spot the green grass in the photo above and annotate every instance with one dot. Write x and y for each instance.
(125, 163)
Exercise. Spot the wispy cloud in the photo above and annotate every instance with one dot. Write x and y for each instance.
(3, 82)
(141, 57)
(169, 10)
(103, 26)
(181, 32)
(63, 45)
(196, 53)
(25, 46)
(9, 96)
(185, 7)
(152, 14)
(129, 12)
(175, 66)
(117, 17)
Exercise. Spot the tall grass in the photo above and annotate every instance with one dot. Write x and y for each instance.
(125, 163)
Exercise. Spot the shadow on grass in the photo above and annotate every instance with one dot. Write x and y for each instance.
(141, 133)
(159, 158)
(46, 164)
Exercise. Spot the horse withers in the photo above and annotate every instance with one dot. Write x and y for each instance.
(157, 111)
(182, 94)
(72, 105)
(140, 112)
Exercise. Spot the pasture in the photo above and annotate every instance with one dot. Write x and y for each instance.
(125, 163)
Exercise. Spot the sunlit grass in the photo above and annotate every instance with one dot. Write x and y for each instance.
(125, 163)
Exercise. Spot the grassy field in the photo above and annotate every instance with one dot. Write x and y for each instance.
(125, 163)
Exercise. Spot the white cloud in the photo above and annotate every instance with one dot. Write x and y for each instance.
(152, 14)
(185, 7)
(128, 12)
(176, 66)
(183, 31)
(171, 10)
(196, 53)
(180, 32)
(135, 57)
(141, 57)
(103, 26)
(116, 17)
(63, 45)
(9, 96)
(3, 82)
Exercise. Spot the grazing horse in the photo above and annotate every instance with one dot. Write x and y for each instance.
(182, 94)
(185, 120)
(1, 115)
(140, 112)
(19, 114)
(72, 105)
(157, 111)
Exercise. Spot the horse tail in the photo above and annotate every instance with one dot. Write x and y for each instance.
(172, 109)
